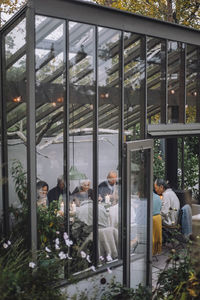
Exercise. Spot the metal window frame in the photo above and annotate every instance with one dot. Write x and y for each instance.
(96, 153)
(31, 127)
(85, 12)
(128, 148)
(4, 142)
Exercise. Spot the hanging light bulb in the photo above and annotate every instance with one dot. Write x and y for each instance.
(130, 109)
(172, 92)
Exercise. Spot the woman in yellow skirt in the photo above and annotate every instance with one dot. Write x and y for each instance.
(157, 225)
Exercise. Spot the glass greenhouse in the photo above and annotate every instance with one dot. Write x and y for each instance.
(92, 95)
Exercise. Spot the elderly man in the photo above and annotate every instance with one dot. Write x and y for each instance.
(108, 187)
(170, 202)
(57, 191)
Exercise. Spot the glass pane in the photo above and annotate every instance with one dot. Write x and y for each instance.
(159, 158)
(81, 102)
(139, 188)
(109, 126)
(134, 72)
(191, 165)
(15, 97)
(156, 71)
(175, 82)
(50, 67)
(192, 84)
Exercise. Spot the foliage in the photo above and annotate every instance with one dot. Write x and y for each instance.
(20, 281)
(159, 160)
(9, 7)
(185, 12)
(191, 162)
(119, 292)
(180, 281)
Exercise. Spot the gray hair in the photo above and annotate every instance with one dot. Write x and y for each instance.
(83, 181)
(60, 179)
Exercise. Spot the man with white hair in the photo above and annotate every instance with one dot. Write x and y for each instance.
(55, 192)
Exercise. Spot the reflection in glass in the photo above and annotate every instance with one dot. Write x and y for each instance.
(15, 97)
(175, 82)
(139, 189)
(192, 84)
(155, 79)
(109, 126)
(49, 59)
(134, 72)
(81, 101)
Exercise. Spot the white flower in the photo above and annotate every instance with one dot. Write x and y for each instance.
(88, 258)
(62, 255)
(65, 236)
(32, 265)
(109, 270)
(57, 247)
(101, 258)
(68, 242)
(47, 249)
(5, 245)
(57, 241)
(93, 268)
(9, 243)
(47, 256)
(57, 232)
(109, 258)
(83, 254)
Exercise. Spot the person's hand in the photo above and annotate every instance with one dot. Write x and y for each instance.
(100, 198)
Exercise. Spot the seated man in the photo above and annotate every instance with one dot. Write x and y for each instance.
(57, 191)
(83, 192)
(170, 203)
(107, 187)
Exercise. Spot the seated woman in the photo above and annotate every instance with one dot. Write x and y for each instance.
(42, 190)
(157, 225)
(83, 192)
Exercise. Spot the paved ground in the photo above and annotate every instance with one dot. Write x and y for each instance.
(158, 264)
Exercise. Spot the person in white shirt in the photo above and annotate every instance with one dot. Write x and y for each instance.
(170, 203)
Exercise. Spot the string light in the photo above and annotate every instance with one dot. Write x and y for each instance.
(172, 92)
(17, 99)
(60, 100)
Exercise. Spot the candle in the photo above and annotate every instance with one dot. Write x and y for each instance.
(62, 206)
(73, 207)
(107, 199)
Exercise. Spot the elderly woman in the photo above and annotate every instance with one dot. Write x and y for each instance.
(84, 191)
(157, 225)
(42, 190)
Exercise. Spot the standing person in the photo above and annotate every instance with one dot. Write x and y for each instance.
(107, 187)
(57, 191)
(170, 203)
(157, 225)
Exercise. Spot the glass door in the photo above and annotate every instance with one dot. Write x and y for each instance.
(138, 212)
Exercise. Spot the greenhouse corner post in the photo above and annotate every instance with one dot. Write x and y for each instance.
(4, 149)
(31, 139)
